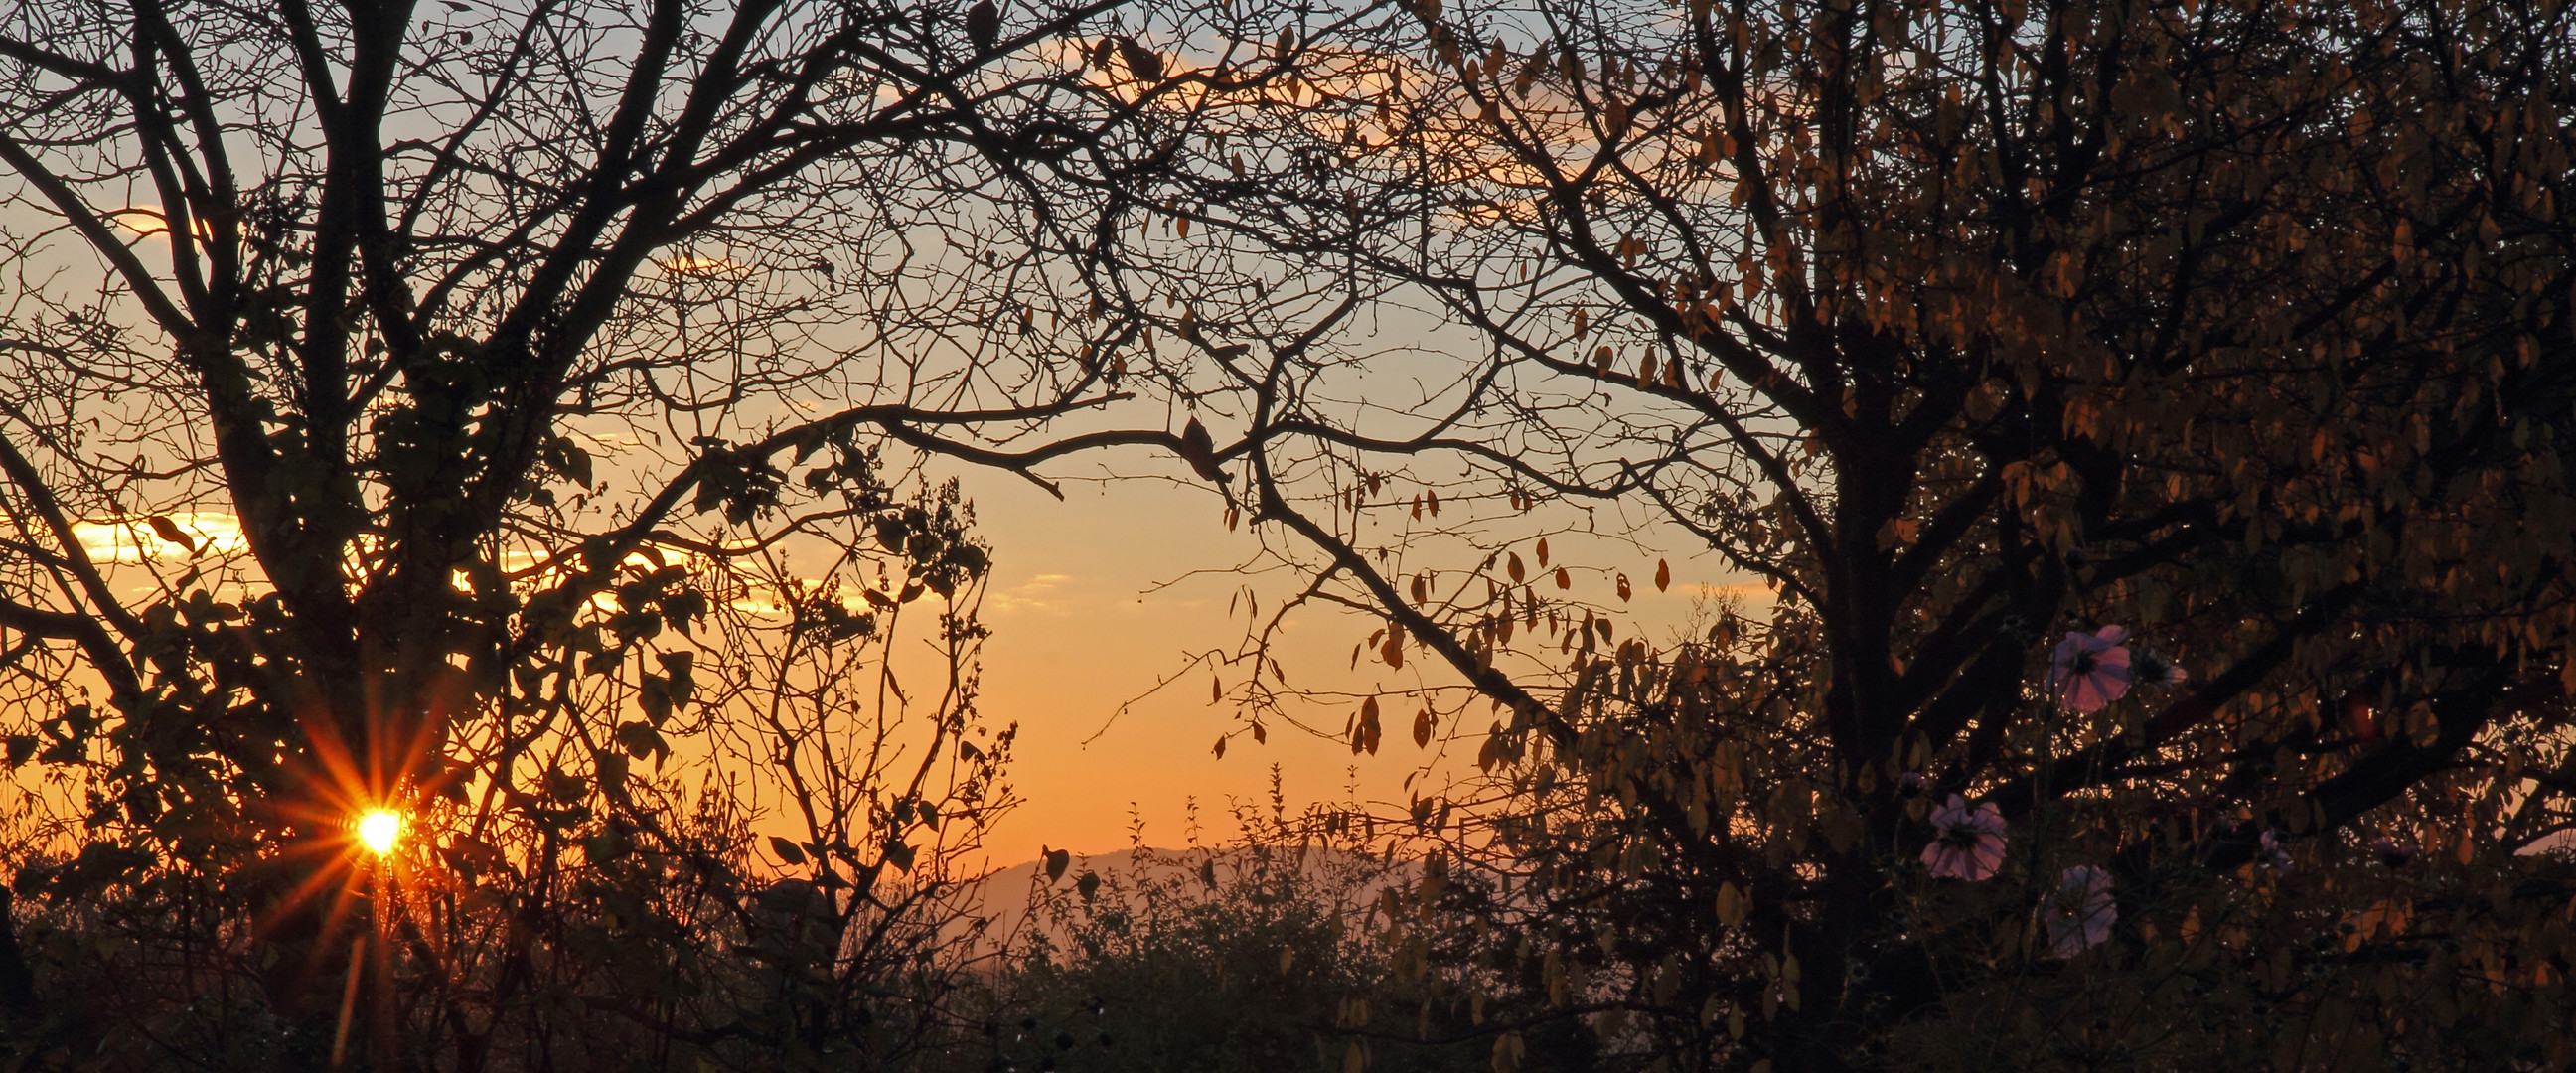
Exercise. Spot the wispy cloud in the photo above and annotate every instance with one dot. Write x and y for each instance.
(1038, 594)
(135, 540)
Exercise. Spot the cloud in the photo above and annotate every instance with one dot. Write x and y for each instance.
(1037, 594)
(1745, 593)
(135, 540)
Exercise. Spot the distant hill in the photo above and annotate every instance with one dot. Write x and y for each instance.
(1008, 897)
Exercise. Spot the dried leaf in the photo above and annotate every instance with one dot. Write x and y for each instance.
(1200, 451)
(169, 530)
(1144, 63)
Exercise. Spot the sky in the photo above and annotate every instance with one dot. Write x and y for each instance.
(1095, 598)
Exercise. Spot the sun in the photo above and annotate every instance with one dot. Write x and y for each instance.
(378, 830)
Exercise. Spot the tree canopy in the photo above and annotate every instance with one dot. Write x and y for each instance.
(457, 409)
(2148, 421)
(2146, 426)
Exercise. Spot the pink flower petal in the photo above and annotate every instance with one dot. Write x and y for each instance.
(1989, 819)
(2081, 915)
(1967, 844)
(1988, 856)
(2089, 692)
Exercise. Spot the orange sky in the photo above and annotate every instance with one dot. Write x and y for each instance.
(1077, 633)
(1094, 598)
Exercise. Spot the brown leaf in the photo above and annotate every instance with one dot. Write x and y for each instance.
(1663, 575)
(1142, 62)
(1563, 581)
(169, 530)
(1200, 451)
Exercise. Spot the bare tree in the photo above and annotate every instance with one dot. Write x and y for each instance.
(453, 410)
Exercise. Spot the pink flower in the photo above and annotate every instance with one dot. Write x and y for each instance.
(1970, 845)
(2079, 915)
(2090, 670)
(2273, 856)
(2391, 853)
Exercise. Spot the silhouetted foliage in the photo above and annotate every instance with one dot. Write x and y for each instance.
(511, 417)
(1269, 952)
(2002, 343)
(2146, 424)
